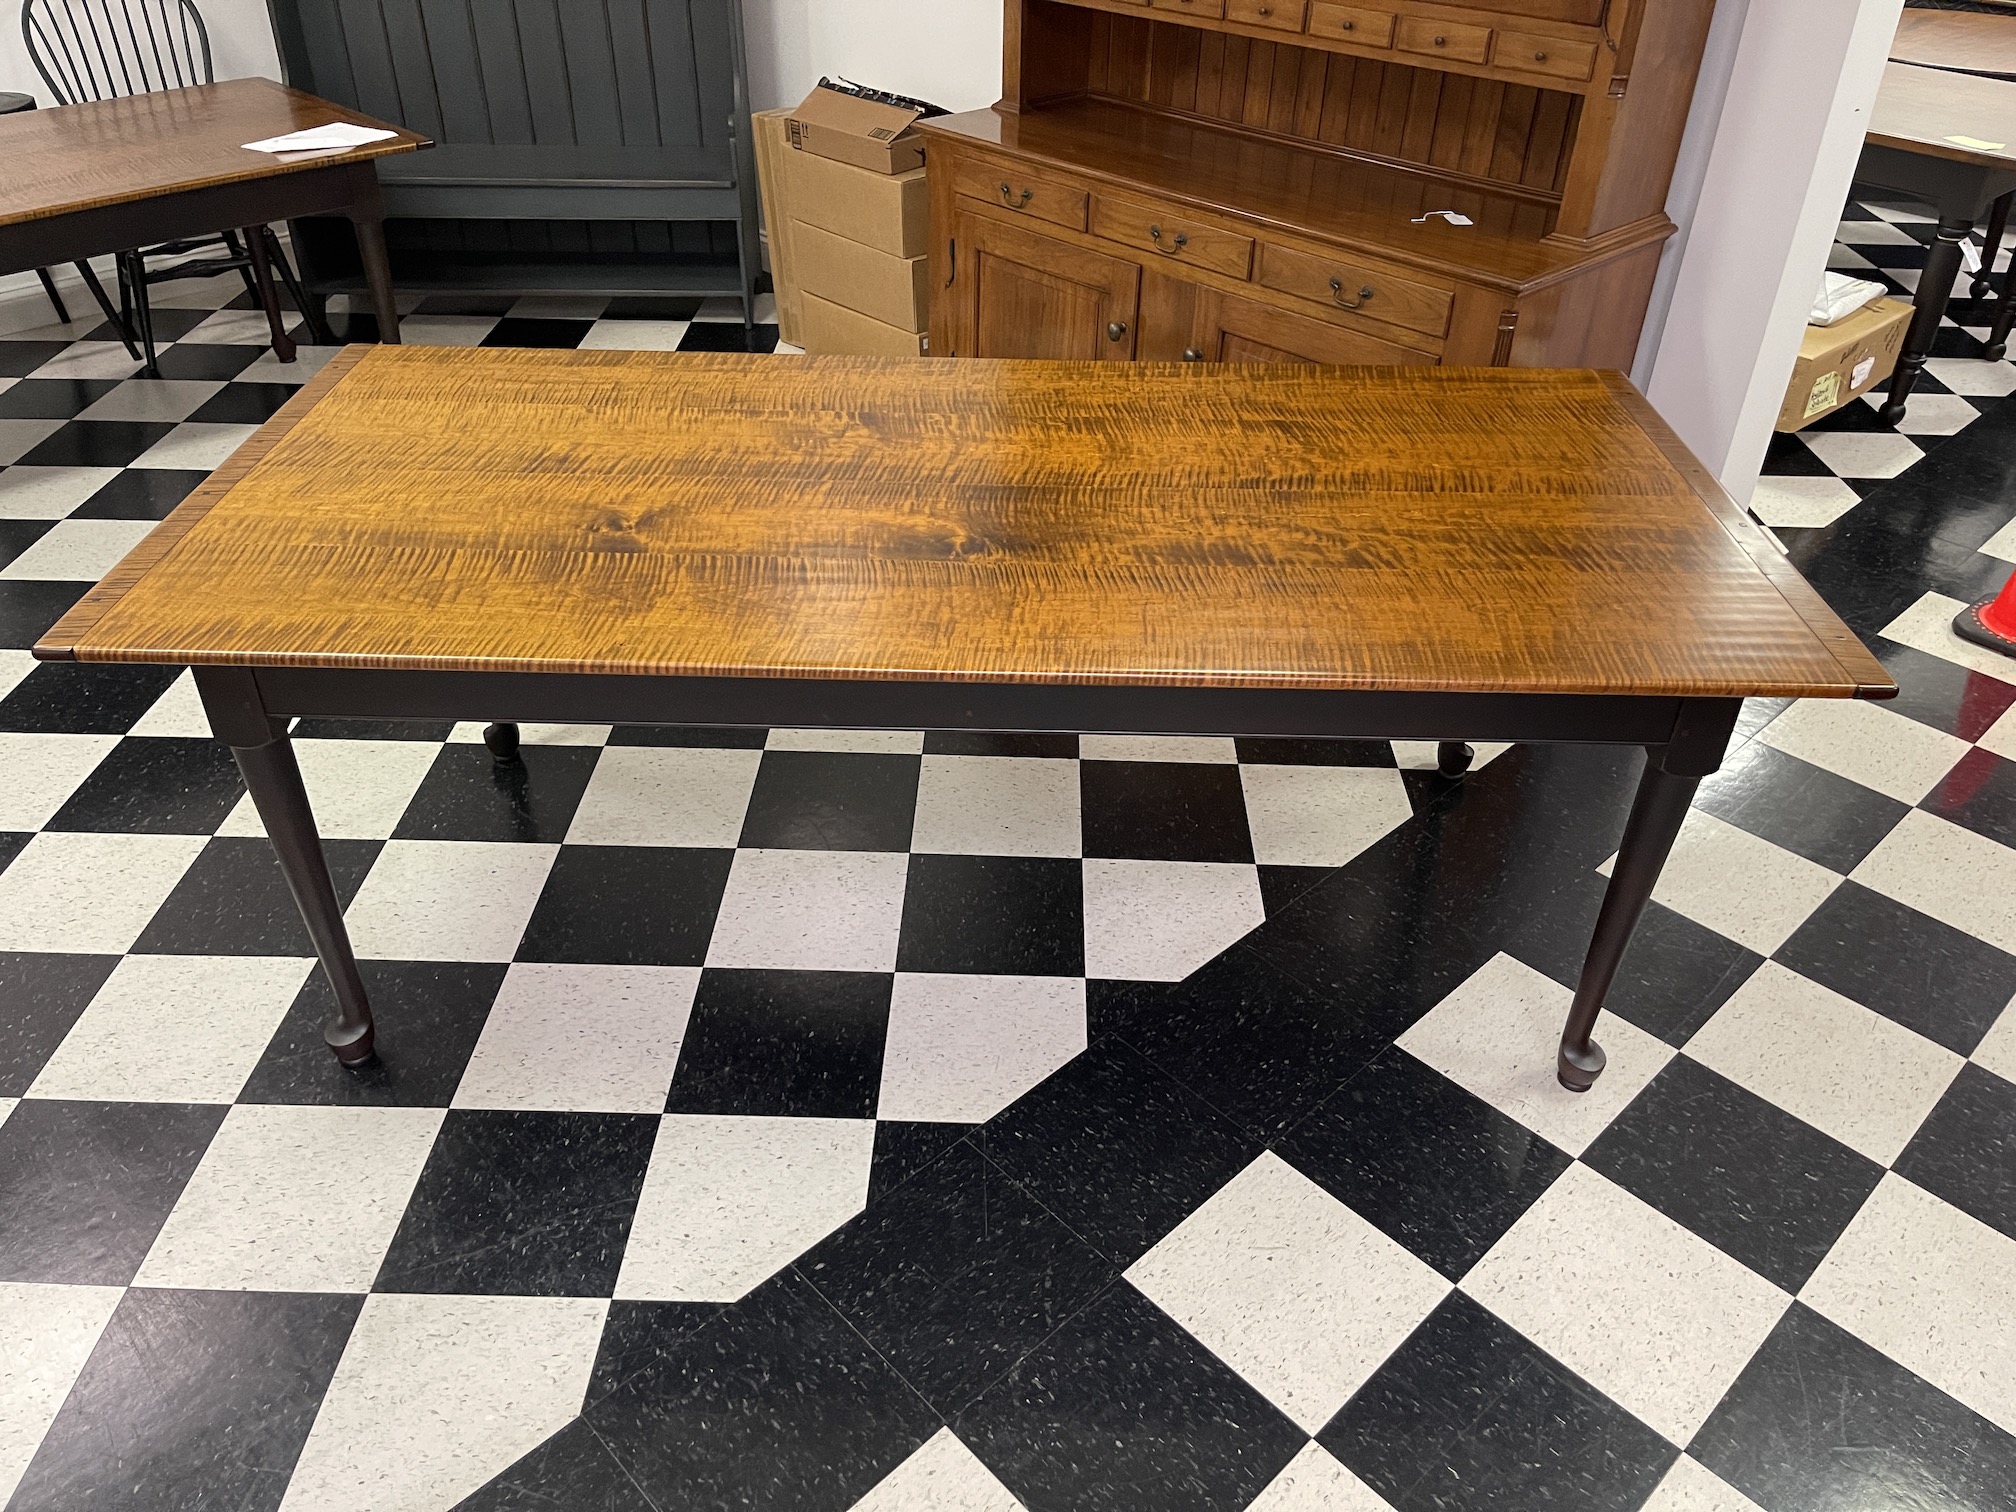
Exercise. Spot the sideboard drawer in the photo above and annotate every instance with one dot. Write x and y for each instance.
(1281, 15)
(1351, 23)
(1342, 284)
(1556, 57)
(1151, 228)
(1014, 188)
(1440, 39)
(1212, 9)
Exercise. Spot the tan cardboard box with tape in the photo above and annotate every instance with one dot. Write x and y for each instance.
(1841, 362)
(849, 129)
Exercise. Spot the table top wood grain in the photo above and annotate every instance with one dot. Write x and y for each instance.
(1977, 41)
(1921, 110)
(1420, 529)
(137, 147)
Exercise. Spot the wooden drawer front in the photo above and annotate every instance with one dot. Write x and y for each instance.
(1438, 39)
(1351, 23)
(1555, 57)
(1151, 228)
(1282, 15)
(1353, 286)
(1213, 9)
(1230, 329)
(1014, 189)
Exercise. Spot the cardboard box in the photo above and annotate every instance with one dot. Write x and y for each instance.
(889, 212)
(866, 133)
(1841, 362)
(893, 290)
(831, 329)
(773, 161)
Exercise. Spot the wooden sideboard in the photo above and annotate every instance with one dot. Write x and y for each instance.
(1258, 180)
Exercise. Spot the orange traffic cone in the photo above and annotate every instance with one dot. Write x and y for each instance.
(1991, 622)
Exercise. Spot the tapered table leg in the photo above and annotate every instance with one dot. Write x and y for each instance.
(1935, 288)
(269, 297)
(378, 274)
(1453, 758)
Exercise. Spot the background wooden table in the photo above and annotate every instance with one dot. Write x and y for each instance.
(1971, 41)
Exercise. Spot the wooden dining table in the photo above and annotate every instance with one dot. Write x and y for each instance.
(1154, 548)
(1970, 41)
(138, 170)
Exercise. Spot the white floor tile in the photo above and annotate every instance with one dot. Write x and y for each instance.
(1841, 260)
(942, 1476)
(446, 1391)
(7, 1106)
(77, 551)
(1691, 1487)
(1805, 502)
(1314, 1481)
(89, 359)
(1930, 414)
(89, 893)
(961, 1048)
(1207, 748)
(195, 293)
(666, 795)
(583, 1039)
(1928, 626)
(195, 445)
(1158, 921)
(1973, 375)
(49, 1332)
(1866, 743)
(178, 712)
(448, 900)
(810, 911)
(997, 806)
(358, 789)
(1874, 233)
(1649, 1313)
(1929, 1286)
(14, 669)
(869, 742)
(728, 1201)
(42, 772)
(446, 330)
(49, 493)
(1863, 454)
(1423, 755)
(293, 1199)
(308, 361)
(1747, 889)
(1498, 1034)
(1289, 1287)
(560, 307)
(1321, 815)
(174, 1029)
(1953, 874)
(634, 336)
(1997, 1050)
(470, 732)
(1849, 1072)
(231, 328)
(2002, 544)
(151, 399)
(720, 308)
(19, 437)
(61, 330)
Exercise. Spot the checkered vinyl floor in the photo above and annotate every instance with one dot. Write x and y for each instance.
(778, 1119)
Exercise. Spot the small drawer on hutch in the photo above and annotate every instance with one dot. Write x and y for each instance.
(1015, 189)
(1439, 39)
(1151, 228)
(1346, 285)
(1556, 57)
(1351, 23)
(1282, 15)
(1213, 10)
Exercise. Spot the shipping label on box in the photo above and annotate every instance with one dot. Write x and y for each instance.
(1841, 362)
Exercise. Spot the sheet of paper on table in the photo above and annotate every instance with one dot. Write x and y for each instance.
(338, 136)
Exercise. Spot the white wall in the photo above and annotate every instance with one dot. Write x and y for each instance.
(241, 43)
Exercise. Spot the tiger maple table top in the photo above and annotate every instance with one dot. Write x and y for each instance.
(1422, 529)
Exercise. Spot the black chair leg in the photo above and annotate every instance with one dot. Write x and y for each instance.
(1991, 245)
(55, 299)
(245, 270)
(262, 276)
(118, 320)
(133, 276)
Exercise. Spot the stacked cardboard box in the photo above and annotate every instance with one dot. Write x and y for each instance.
(1843, 361)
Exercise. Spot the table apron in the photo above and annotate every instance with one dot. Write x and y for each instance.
(341, 188)
(1960, 191)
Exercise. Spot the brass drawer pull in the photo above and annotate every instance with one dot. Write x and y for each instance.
(1193, 354)
(1347, 26)
(1117, 331)
(1008, 197)
(1441, 41)
(1337, 293)
(1182, 241)
(1539, 57)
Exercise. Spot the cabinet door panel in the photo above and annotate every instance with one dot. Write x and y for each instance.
(1029, 295)
(1230, 329)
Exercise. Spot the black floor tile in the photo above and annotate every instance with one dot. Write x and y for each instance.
(191, 1399)
(29, 608)
(1966, 1151)
(170, 325)
(982, 743)
(636, 1335)
(83, 698)
(469, 795)
(524, 1204)
(1799, 807)
(1117, 1149)
(1164, 811)
(20, 358)
(140, 493)
(777, 1403)
(832, 800)
(233, 900)
(903, 1148)
(1978, 794)
(1819, 1422)
(429, 1017)
(628, 905)
(1787, 456)
(803, 1044)
(16, 536)
(1470, 1416)
(1121, 1410)
(1940, 693)
(245, 403)
(523, 331)
(956, 1276)
(1691, 1145)
(85, 1186)
(573, 1470)
(52, 398)
(728, 336)
(467, 304)
(652, 307)
(155, 785)
(1282, 885)
(12, 843)
(1283, 752)
(688, 735)
(1928, 976)
(993, 915)
(1439, 1171)
(40, 998)
(203, 361)
(374, 729)
(96, 443)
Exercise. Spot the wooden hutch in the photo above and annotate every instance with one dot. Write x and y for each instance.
(1258, 180)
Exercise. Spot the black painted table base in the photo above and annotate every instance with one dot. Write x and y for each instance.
(250, 711)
